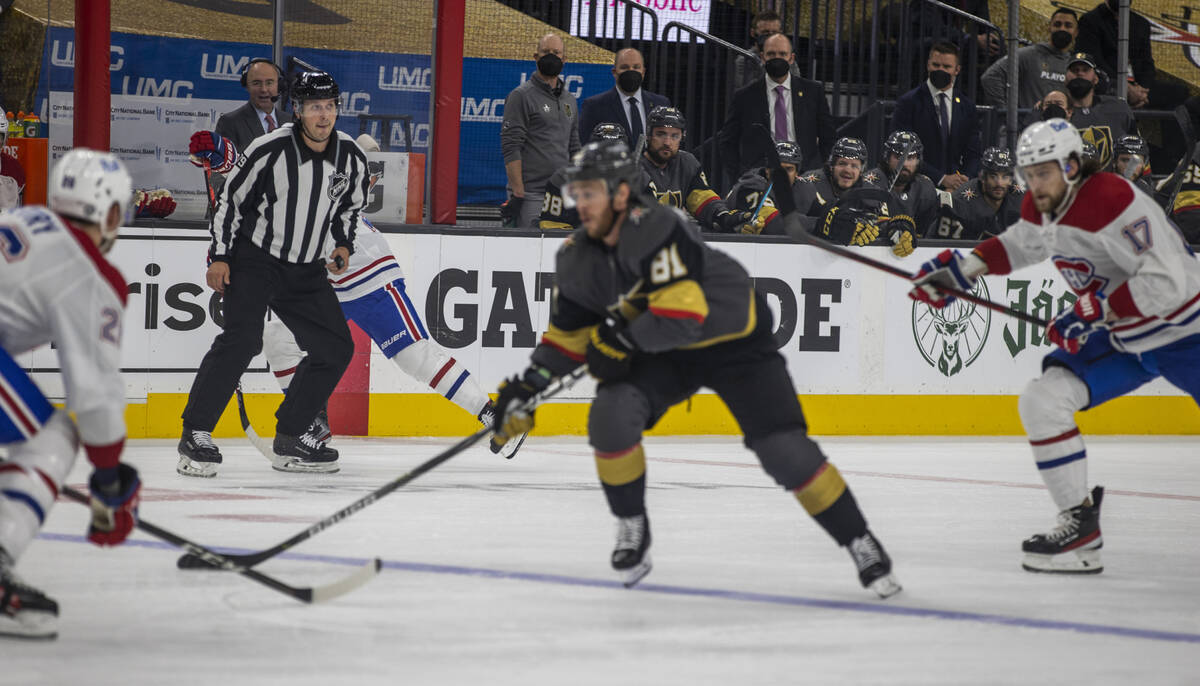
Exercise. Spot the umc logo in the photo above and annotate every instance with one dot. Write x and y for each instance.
(63, 55)
(224, 67)
(404, 79)
(951, 338)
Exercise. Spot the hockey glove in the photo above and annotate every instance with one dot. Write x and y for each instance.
(510, 211)
(212, 146)
(116, 492)
(511, 419)
(1070, 329)
(157, 203)
(943, 270)
(610, 350)
(904, 235)
(849, 226)
(732, 221)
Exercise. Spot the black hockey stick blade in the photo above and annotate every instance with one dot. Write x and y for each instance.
(215, 560)
(193, 561)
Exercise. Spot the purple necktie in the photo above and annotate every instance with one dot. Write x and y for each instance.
(781, 127)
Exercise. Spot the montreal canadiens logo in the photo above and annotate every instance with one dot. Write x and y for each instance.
(1080, 274)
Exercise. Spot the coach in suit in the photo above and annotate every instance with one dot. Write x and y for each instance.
(627, 104)
(945, 121)
(792, 109)
(259, 115)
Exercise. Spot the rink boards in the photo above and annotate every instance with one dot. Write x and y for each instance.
(864, 358)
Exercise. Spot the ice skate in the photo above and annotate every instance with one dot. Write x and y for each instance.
(198, 455)
(303, 453)
(320, 426)
(487, 416)
(874, 565)
(25, 612)
(631, 557)
(1072, 547)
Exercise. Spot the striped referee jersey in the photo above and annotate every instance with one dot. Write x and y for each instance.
(291, 201)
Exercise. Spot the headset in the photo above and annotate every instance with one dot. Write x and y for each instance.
(261, 60)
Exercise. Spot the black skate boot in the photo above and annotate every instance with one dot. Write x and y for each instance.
(25, 612)
(303, 453)
(631, 557)
(487, 416)
(1078, 532)
(874, 565)
(198, 455)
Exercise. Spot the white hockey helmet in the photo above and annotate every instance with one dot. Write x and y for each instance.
(85, 184)
(1046, 141)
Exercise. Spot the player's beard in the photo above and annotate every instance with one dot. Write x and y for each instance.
(661, 155)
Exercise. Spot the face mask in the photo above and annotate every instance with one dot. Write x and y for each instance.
(1060, 39)
(759, 40)
(1053, 111)
(776, 67)
(629, 81)
(550, 65)
(1079, 88)
(940, 79)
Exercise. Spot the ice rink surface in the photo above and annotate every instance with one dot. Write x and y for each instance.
(497, 573)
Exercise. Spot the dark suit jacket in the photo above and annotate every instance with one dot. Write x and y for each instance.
(610, 106)
(814, 129)
(242, 125)
(915, 112)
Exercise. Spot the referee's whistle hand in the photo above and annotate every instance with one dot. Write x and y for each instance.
(338, 260)
(217, 276)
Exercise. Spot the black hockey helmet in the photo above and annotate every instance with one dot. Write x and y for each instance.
(850, 149)
(607, 160)
(313, 85)
(789, 153)
(899, 140)
(1132, 145)
(665, 116)
(996, 159)
(607, 131)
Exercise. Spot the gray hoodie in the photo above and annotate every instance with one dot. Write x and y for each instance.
(541, 129)
(1043, 69)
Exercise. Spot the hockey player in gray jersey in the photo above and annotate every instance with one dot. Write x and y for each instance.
(1133, 162)
(1101, 119)
(912, 190)
(656, 314)
(748, 193)
(676, 178)
(985, 206)
(557, 210)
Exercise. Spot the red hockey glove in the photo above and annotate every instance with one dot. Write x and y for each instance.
(212, 146)
(116, 493)
(943, 270)
(1070, 329)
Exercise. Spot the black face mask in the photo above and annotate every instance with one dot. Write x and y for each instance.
(1053, 111)
(550, 65)
(1079, 87)
(940, 79)
(1060, 39)
(629, 81)
(776, 67)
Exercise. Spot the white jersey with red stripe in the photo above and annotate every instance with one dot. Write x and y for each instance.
(56, 287)
(371, 267)
(1117, 243)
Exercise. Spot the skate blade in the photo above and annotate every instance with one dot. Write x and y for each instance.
(289, 465)
(31, 626)
(630, 577)
(1074, 562)
(886, 586)
(189, 467)
(509, 450)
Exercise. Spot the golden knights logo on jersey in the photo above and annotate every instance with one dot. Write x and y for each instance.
(669, 198)
(951, 339)
(1102, 138)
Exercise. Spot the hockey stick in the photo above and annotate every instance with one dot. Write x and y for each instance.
(194, 561)
(308, 594)
(796, 231)
(1184, 119)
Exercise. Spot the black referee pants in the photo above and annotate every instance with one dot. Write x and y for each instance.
(302, 298)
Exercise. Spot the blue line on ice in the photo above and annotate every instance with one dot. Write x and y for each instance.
(880, 607)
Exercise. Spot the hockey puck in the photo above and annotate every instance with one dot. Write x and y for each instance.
(190, 561)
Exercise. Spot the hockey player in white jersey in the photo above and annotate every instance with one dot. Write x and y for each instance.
(56, 287)
(1137, 317)
(372, 295)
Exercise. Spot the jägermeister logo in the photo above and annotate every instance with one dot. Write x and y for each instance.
(951, 338)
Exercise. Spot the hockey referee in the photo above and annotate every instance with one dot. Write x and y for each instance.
(295, 192)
